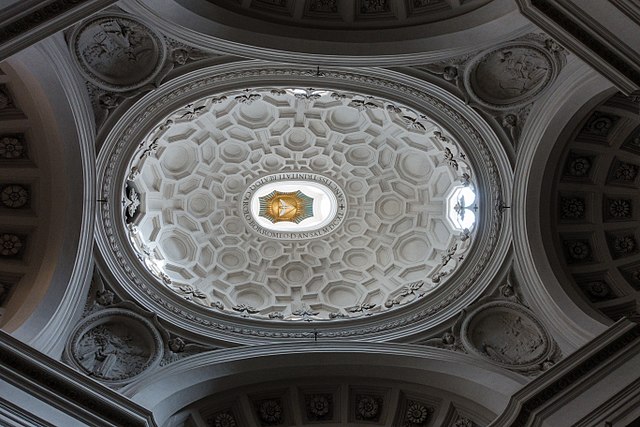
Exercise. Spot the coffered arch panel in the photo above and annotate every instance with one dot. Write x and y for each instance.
(357, 33)
(477, 389)
(594, 207)
(53, 157)
(564, 311)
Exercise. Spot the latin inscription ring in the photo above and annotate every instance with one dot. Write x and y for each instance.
(323, 224)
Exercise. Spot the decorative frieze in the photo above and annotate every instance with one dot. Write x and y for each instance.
(622, 244)
(374, 6)
(623, 172)
(578, 165)
(598, 127)
(500, 328)
(618, 209)
(511, 75)
(597, 290)
(417, 413)
(509, 335)
(323, 6)
(505, 80)
(270, 412)
(223, 419)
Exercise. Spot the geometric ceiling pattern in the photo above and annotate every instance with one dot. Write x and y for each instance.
(194, 151)
(183, 203)
(596, 207)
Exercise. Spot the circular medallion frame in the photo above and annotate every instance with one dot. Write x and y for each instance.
(115, 333)
(117, 52)
(525, 349)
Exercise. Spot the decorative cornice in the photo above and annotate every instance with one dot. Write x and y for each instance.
(595, 45)
(36, 21)
(66, 389)
(20, 416)
(601, 352)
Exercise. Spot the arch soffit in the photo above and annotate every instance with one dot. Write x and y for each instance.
(498, 20)
(178, 385)
(577, 86)
(54, 308)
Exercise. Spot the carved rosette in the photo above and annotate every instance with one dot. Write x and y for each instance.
(118, 53)
(512, 75)
(114, 346)
(509, 335)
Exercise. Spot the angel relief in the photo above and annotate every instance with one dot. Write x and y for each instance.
(111, 352)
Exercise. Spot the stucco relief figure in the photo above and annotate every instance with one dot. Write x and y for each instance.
(508, 338)
(505, 75)
(110, 352)
(523, 72)
(118, 48)
(118, 51)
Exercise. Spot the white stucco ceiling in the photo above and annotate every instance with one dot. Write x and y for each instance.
(396, 171)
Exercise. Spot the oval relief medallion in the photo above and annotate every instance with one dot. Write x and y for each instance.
(507, 334)
(294, 206)
(115, 345)
(117, 52)
(509, 76)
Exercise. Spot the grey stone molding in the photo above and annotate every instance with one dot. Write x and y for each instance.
(104, 310)
(418, 46)
(502, 329)
(585, 36)
(506, 79)
(197, 376)
(28, 22)
(62, 304)
(64, 388)
(571, 376)
(567, 322)
(13, 415)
